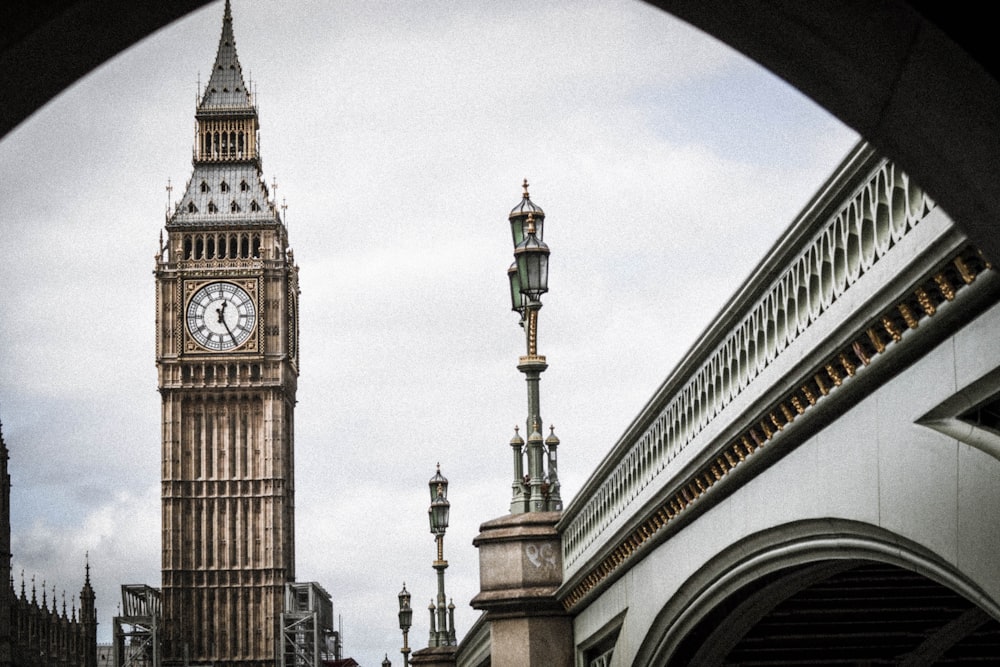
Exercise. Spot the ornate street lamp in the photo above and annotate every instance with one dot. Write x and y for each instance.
(440, 507)
(519, 217)
(405, 622)
(442, 631)
(528, 276)
(532, 258)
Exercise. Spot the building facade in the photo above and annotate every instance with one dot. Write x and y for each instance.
(41, 633)
(227, 360)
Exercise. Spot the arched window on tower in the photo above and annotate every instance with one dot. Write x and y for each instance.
(233, 247)
(234, 207)
(212, 208)
(244, 186)
(224, 186)
(199, 249)
(210, 248)
(192, 208)
(204, 187)
(256, 246)
(254, 206)
(244, 246)
(187, 247)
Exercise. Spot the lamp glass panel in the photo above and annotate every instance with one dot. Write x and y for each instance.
(516, 297)
(533, 269)
(439, 511)
(518, 225)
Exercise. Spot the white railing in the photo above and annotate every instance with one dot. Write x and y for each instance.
(834, 242)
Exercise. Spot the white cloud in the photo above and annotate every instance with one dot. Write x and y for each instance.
(116, 539)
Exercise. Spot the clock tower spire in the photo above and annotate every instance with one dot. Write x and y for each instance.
(227, 361)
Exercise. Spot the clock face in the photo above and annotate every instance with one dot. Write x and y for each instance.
(221, 316)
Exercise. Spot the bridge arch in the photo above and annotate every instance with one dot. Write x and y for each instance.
(724, 600)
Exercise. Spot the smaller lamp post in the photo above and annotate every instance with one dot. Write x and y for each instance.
(405, 621)
(386, 662)
(442, 627)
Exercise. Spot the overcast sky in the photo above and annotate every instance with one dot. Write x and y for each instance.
(398, 134)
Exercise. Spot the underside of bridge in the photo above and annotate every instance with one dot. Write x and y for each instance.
(845, 612)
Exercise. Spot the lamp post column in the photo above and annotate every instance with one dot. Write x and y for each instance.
(528, 625)
(532, 366)
(529, 277)
(441, 638)
(441, 630)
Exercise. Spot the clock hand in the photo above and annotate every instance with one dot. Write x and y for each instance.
(221, 312)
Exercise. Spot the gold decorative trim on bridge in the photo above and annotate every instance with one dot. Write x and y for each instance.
(887, 328)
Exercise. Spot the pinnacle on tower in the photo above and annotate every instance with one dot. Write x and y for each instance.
(226, 88)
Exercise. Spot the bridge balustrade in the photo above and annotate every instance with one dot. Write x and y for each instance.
(796, 300)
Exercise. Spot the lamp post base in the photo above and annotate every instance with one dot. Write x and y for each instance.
(435, 656)
(520, 569)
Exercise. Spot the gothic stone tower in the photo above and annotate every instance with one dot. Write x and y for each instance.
(227, 360)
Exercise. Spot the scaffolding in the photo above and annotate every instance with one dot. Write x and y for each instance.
(307, 636)
(137, 629)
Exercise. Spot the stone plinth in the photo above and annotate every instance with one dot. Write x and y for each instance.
(434, 656)
(520, 569)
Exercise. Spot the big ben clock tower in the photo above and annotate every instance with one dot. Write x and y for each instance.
(227, 360)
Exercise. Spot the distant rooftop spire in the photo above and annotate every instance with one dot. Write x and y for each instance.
(226, 88)
(88, 590)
